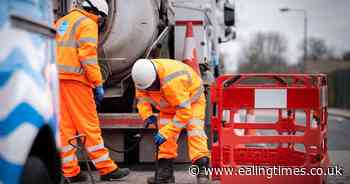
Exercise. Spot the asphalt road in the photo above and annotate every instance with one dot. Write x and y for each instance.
(338, 145)
(339, 134)
(339, 148)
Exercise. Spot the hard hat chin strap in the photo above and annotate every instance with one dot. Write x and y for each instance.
(155, 86)
(102, 23)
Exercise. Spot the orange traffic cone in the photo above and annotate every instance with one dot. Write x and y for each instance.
(190, 53)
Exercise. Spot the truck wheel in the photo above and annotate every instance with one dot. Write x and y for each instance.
(35, 171)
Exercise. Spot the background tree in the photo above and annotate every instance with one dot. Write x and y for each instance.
(346, 56)
(265, 52)
(317, 49)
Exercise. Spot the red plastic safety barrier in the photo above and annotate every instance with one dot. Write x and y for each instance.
(297, 137)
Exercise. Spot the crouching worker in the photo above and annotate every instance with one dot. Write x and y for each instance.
(79, 74)
(176, 90)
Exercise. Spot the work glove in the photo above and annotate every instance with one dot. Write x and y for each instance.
(99, 94)
(151, 120)
(159, 139)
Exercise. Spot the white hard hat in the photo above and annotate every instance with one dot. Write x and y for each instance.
(101, 5)
(143, 73)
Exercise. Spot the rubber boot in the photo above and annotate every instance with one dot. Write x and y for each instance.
(165, 172)
(78, 178)
(202, 177)
(117, 174)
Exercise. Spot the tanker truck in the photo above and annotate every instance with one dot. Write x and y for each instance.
(151, 29)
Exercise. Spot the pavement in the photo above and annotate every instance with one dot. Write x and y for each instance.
(339, 147)
(342, 159)
(345, 113)
(140, 177)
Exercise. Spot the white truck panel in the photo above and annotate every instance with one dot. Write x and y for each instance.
(184, 11)
(199, 33)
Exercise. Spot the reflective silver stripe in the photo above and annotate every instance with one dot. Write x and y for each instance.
(101, 158)
(96, 147)
(177, 137)
(67, 43)
(87, 40)
(164, 121)
(163, 103)
(73, 43)
(184, 104)
(75, 27)
(69, 159)
(174, 75)
(65, 149)
(193, 98)
(196, 122)
(71, 37)
(200, 133)
(70, 69)
(178, 124)
(197, 94)
(149, 100)
(89, 61)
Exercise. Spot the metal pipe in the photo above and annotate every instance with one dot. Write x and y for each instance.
(156, 179)
(159, 39)
(82, 148)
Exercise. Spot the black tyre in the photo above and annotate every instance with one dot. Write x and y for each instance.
(36, 172)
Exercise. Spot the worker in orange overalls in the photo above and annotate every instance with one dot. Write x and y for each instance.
(79, 74)
(176, 90)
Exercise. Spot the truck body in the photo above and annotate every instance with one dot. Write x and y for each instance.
(153, 29)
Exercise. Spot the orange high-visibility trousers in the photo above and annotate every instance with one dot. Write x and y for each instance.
(196, 136)
(79, 116)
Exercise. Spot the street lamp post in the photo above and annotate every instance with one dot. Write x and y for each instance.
(305, 32)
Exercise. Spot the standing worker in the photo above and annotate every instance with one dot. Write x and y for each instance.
(176, 90)
(79, 74)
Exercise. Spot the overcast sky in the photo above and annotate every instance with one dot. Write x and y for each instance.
(327, 19)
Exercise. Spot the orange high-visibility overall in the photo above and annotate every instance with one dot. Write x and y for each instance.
(79, 73)
(181, 103)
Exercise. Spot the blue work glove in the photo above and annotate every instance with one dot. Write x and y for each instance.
(151, 120)
(159, 139)
(99, 94)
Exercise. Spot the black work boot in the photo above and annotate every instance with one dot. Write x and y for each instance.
(74, 179)
(117, 174)
(202, 177)
(165, 172)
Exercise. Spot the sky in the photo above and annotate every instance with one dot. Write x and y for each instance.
(327, 19)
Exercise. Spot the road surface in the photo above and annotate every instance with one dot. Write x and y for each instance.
(338, 145)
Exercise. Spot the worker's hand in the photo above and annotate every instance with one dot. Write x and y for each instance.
(151, 120)
(99, 94)
(159, 139)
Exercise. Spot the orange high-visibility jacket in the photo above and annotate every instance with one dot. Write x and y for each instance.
(77, 40)
(180, 87)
